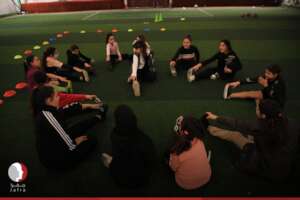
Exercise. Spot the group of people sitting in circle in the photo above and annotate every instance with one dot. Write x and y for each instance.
(268, 145)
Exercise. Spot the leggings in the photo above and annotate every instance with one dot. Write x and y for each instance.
(71, 75)
(185, 64)
(207, 72)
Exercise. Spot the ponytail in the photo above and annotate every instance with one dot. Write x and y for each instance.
(38, 98)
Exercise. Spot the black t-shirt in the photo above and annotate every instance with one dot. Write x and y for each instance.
(191, 53)
(231, 60)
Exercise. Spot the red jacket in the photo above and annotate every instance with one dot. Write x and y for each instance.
(65, 99)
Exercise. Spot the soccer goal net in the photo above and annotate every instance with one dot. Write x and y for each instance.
(8, 7)
(292, 3)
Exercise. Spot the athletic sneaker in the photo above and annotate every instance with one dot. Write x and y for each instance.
(226, 92)
(102, 112)
(136, 88)
(215, 76)
(173, 71)
(86, 76)
(106, 159)
(190, 75)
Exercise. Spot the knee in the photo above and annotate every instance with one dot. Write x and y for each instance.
(135, 82)
(213, 129)
(172, 64)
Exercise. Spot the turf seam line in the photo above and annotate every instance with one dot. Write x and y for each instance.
(90, 15)
(206, 12)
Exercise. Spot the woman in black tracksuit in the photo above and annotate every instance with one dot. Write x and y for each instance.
(185, 57)
(228, 65)
(59, 145)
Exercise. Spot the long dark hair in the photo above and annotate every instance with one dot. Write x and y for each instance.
(125, 121)
(40, 78)
(141, 45)
(125, 135)
(38, 98)
(27, 63)
(274, 68)
(228, 44)
(190, 128)
(274, 124)
(108, 36)
(142, 38)
(50, 51)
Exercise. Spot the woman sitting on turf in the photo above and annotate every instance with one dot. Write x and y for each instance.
(132, 155)
(113, 54)
(142, 67)
(188, 156)
(40, 79)
(272, 83)
(268, 145)
(32, 65)
(51, 64)
(186, 56)
(228, 65)
(76, 58)
(59, 145)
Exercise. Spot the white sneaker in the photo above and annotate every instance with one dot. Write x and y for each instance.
(225, 92)
(136, 88)
(215, 76)
(86, 76)
(190, 76)
(173, 71)
(106, 159)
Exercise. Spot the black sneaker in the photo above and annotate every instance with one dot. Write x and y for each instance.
(102, 112)
(205, 122)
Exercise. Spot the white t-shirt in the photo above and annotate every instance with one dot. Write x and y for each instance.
(137, 63)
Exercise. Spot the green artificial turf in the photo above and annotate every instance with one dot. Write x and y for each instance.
(271, 38)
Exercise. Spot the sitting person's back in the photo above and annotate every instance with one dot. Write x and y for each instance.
(188, 158)
(132, 160)
(59, 147)
(133, 153)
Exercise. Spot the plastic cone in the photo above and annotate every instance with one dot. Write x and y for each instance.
(9, 93)
(156, 18)
(21, 85)
(160, 17)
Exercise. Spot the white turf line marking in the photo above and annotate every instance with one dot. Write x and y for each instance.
(90, 15)
(206, 12)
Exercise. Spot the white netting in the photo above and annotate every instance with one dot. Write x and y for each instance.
(293, 3)
(9, 7)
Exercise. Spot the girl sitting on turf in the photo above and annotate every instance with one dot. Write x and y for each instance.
(40, 79)
(272, 83)
(51, 64)
(142, 38)
(59, 145)
(113, 54)
(268, 145)
(142, 67)
(188, 156)
(32, 65)
(228, 65)
(186, 56)
(132, 155)
(76, 58)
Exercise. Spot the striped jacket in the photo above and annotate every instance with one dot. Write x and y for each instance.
(54, 141)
